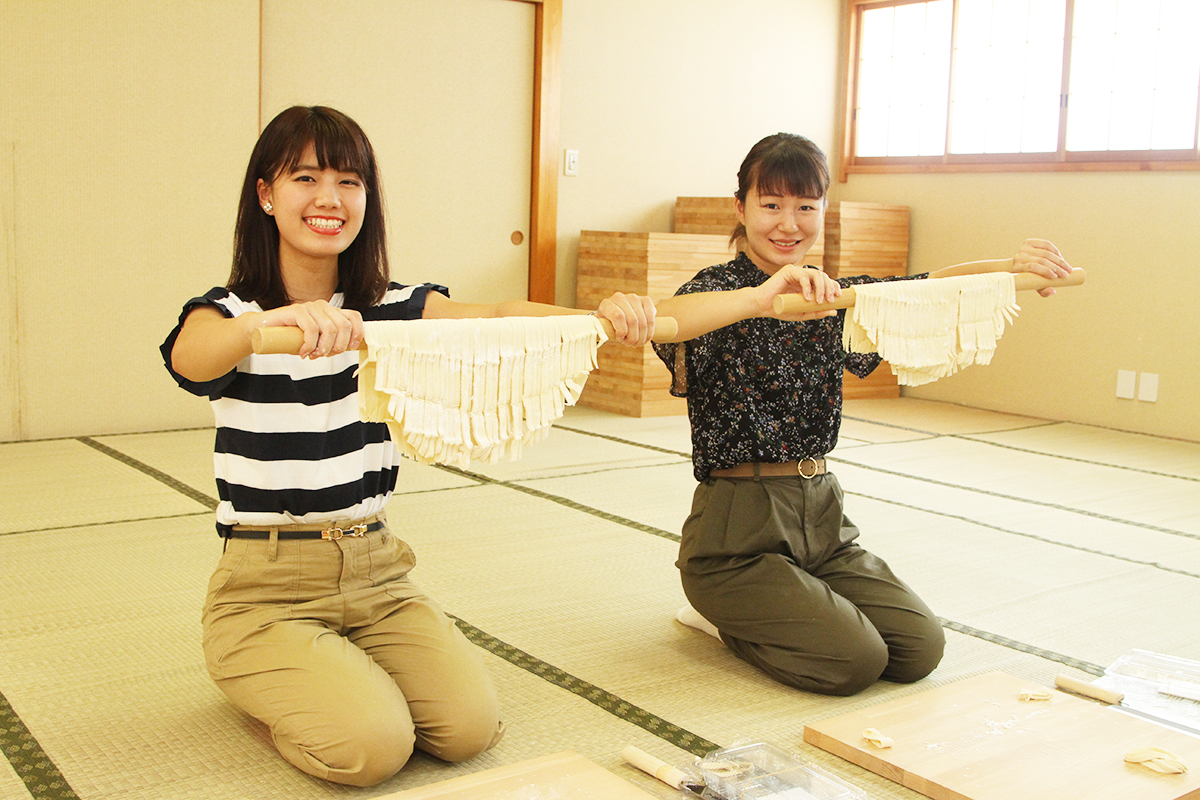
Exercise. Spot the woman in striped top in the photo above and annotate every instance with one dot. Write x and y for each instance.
(311, 623)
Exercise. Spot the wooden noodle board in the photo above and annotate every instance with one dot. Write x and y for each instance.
(975, 740)
(563, 776)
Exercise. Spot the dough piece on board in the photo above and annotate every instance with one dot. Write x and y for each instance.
(1157, 759)
(878, 739)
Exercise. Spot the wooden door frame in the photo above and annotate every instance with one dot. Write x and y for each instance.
(543, 181)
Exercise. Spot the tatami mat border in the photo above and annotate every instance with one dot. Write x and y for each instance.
(35, 769)
(1013, 644)
(610, 438)
(568, 503)
(101, 523)
(667, 731)
(151, 472)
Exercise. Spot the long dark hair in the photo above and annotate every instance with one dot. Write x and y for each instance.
(779, 165)
(341, 144)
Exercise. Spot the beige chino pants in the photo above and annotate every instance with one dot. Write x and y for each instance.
(344, 658)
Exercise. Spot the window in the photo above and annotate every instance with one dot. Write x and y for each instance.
(1022, 84)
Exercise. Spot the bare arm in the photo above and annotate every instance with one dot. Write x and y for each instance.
(1035, 255)
(703, 312)
(210, 344)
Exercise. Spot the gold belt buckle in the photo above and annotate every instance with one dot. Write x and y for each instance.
(333, 534)
(800, 468)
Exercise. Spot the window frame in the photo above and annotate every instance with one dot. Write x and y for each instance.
(1059, 161)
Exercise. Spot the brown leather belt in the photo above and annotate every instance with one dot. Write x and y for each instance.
(327, 531)
(807, 468)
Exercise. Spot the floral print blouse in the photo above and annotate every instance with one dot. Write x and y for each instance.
(761, 389)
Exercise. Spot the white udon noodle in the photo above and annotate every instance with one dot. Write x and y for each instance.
(461, 390)
(928, 329)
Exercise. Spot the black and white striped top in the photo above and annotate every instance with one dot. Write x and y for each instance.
(290, 446)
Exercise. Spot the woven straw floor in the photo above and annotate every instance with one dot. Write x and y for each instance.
(1045, 547)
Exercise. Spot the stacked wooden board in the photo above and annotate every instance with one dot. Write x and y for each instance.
(866, 239)
(632, 381)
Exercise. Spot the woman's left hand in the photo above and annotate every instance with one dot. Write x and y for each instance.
(631, 315)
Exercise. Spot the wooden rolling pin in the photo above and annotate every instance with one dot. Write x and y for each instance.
(1026, 281)
(650, 765)
(288, 341)
(1112, 698)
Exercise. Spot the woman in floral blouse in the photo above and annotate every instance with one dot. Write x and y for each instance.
(769, 562)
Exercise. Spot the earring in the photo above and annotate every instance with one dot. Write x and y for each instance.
(267, 207)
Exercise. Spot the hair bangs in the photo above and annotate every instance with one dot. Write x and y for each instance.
(788, 173)
(343, 150)
(337, 142)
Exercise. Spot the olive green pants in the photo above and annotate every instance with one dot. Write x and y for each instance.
(344, 658)
(773, 564)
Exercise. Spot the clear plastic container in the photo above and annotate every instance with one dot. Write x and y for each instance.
(1175, 676)
(1163, 688)
(767, 772)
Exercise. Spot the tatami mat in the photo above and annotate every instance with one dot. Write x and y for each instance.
(1104, 490)
(1045, 547)
(1127, 451)
(65, 482)
(565, 451)
(927, 416)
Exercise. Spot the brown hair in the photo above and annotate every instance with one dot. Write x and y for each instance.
(782, 164)
(341, 144)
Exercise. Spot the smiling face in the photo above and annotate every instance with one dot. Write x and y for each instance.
(780, 229)
(319, 212)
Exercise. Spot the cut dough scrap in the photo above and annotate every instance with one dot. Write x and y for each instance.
(878, 739)
(1157, 759)
(929, 329)
(460, 390)
(1034, 694)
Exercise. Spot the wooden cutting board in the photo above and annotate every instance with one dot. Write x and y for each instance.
(975, 740)
(563, 776)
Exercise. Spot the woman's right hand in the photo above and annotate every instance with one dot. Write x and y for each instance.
(328, 330)
(813, 284)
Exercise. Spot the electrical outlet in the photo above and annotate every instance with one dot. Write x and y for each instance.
(1126, 380)
(1148, 387)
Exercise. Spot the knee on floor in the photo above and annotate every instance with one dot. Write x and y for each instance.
(364, 755)
(849, 670)
(849, 677)
(463, 739)
(917, 661)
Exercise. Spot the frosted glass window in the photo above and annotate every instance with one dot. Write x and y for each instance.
(902, 79)
(946, 78)
(1134, 67)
